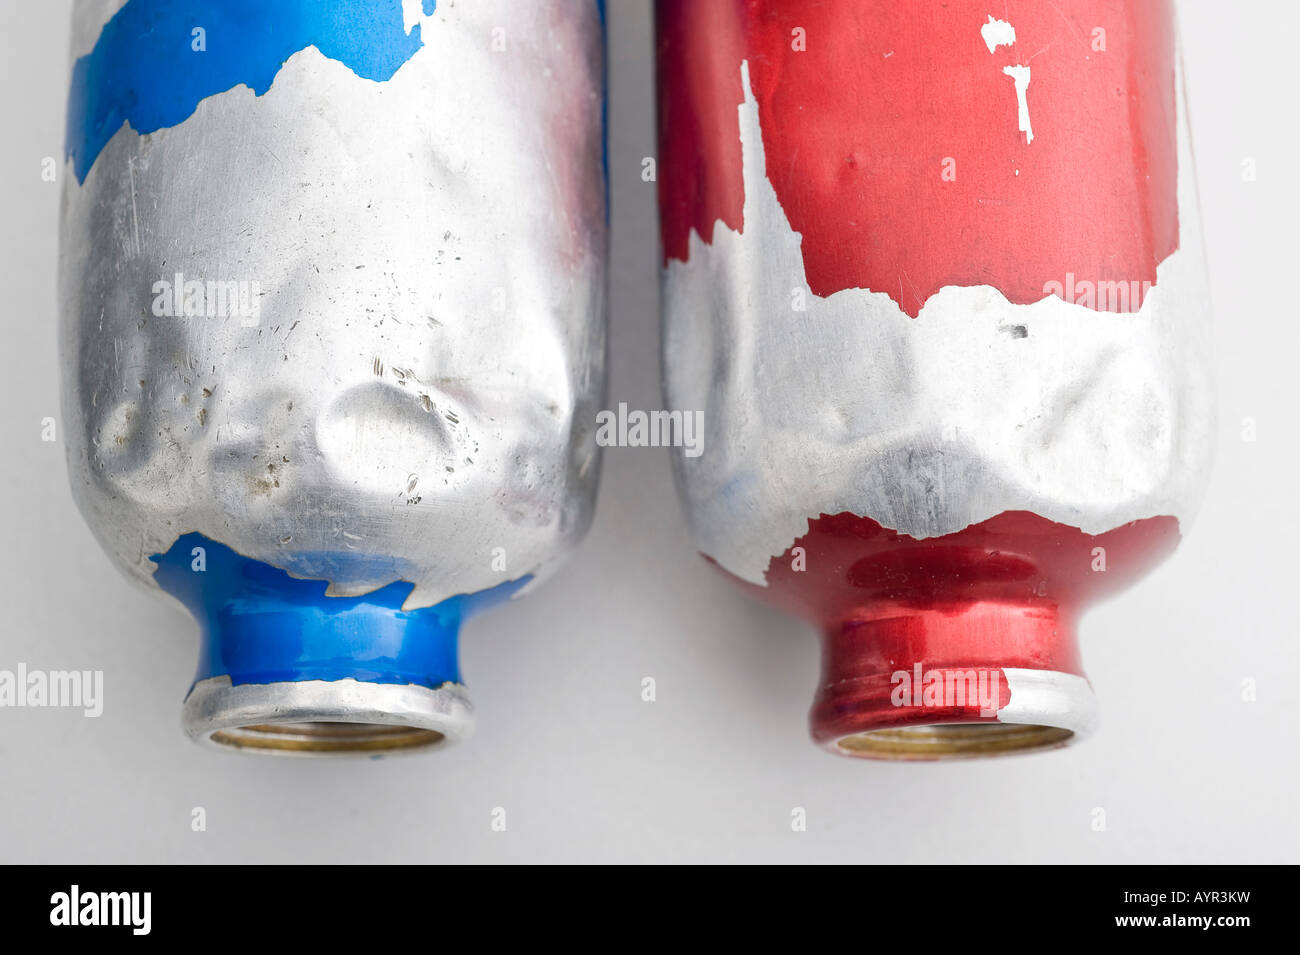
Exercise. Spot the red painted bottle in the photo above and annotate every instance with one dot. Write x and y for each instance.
(933, 283)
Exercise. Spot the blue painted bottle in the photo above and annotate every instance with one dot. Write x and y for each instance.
(332, 327)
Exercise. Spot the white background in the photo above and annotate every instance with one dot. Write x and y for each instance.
(1183, 768)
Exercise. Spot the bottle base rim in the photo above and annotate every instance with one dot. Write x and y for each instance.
(1047, 710)
(326, 717)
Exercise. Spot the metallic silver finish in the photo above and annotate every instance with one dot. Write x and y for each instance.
(930, 424)
(420, 385)
(402, 384)
(416, 398)
(1051, 698)
(319, 718)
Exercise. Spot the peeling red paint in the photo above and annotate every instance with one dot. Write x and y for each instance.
(1005, 592)
(858, 127)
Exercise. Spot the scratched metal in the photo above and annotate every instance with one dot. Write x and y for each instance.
(420, 385)
(926, 425)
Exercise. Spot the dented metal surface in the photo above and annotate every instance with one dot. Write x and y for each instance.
(407, 393)
(946, 321)
(976, 406)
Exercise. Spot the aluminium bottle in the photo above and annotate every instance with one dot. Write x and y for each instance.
(933, 280)
(332, 330)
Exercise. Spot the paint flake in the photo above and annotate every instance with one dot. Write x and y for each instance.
(997, 33)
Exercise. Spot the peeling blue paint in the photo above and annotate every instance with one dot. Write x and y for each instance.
(259, 625)
(151, 67)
